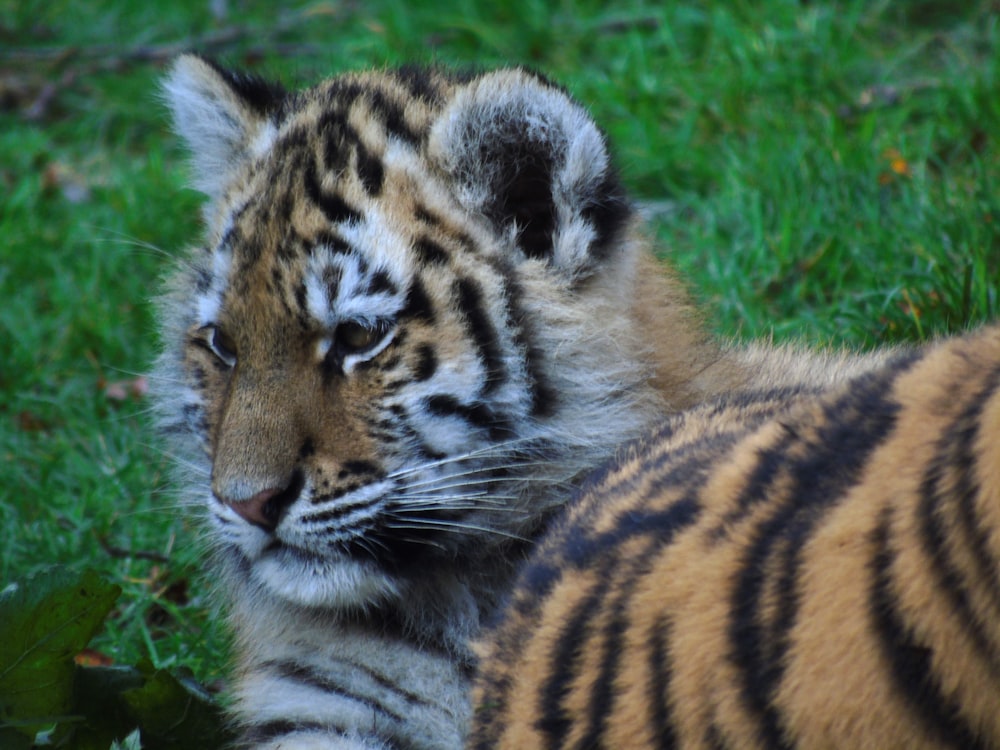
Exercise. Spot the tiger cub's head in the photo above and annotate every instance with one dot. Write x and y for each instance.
(408, 325)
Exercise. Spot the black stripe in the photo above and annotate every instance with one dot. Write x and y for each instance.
(202, 280)
(909, 659)
(544, 397)
(333, 128)
(714, 736)
(628, 572)
(307, 450)
(380, 282)
(426, 363)
(277, 280)
(195, 419)
(331, 277)
(482, 331)
(949, 487)
(340, 139)
(599, 552)
(423, 214)
(271, 730)
(555, 723)
(246, 250)
(415, 699)
(685, 468)
(538, 578)
(419, 83)
(282, 207)
(341, 509)
(371, 173)
(342, 93)
(477, 414)
(757, 486)
(306, 675)
(430, 252)
(661, 669)
(309, 676)
(290, 151)
(847, 433)
(967, 490)
(368, 468)
(332, 242)
(300, 297)
(607, 210)
(602, 694)
(418, 304)
(409, 436)
(262, 96)
(771, 462)
(588, 502)
(393, 118)
(662, 524)
(332, 206)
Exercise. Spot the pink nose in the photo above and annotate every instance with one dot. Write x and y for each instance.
(263, 509)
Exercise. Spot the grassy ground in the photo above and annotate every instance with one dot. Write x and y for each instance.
(821, 171)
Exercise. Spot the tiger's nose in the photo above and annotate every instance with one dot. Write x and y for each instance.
(266, 508)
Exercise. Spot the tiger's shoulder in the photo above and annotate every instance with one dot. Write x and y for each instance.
(791, 568)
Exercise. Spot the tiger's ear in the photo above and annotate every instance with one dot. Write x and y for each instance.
(532, 161)
(222, 116)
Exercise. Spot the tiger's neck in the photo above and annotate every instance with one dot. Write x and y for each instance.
(363, 678)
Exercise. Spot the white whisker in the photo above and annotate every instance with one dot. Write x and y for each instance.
(135, 243)
(455, 526)
(495, 450)
(186, 463)
(479, 499)
(434, 482)
(366, 543)
(431, 507)
(426, 542)
(453, 490)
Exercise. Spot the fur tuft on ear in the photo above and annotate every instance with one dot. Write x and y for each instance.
(528, 158)
(224, 117)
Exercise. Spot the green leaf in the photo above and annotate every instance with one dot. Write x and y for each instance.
(98, 699)
(175, 713)
(44, 622)
(11, 739)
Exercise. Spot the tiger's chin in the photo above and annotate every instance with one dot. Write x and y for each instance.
(336, 582)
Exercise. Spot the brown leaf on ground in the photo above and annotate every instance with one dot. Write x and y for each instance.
(31, 422)
(91, 658)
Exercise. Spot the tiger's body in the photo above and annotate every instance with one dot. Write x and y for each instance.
(796, 568)
(422, 312)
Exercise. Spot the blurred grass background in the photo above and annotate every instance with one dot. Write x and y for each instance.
(820, 171)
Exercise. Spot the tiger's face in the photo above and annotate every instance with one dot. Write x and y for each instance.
(397, 339)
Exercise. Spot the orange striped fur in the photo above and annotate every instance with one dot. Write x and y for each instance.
(776, 570)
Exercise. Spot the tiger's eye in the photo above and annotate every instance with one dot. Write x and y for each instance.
(354, 338)
(222, 346)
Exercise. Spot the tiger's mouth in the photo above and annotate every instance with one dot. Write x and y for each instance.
(356, 527)
(351, 550)
(346, 579)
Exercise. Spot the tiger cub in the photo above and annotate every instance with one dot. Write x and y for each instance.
(422, 310)
(778, 569)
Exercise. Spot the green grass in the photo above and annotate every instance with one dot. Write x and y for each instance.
(821, 171)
